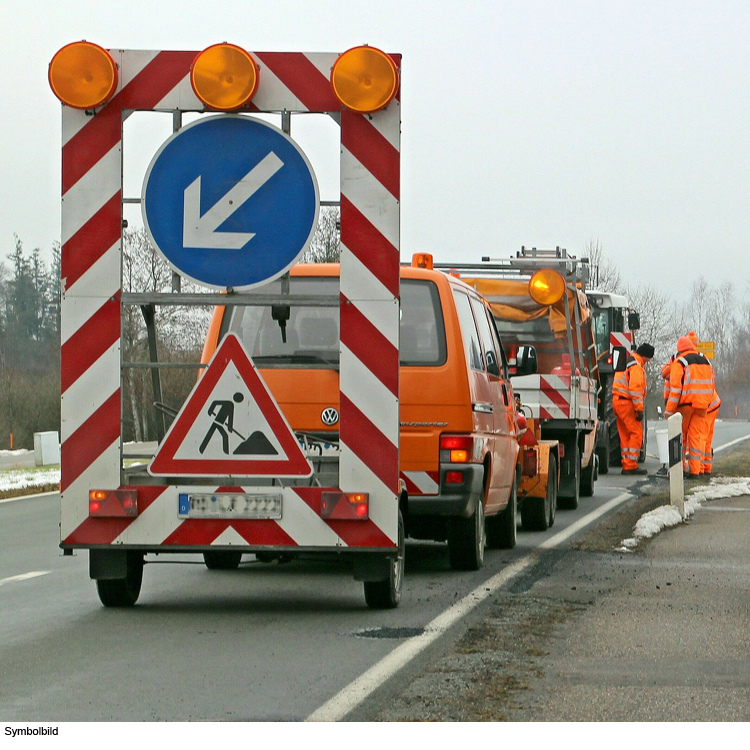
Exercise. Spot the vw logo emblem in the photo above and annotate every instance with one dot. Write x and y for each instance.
(330, 416)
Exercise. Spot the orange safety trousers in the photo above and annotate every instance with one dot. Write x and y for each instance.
(630, 431)
(694, 433)
(707, 459)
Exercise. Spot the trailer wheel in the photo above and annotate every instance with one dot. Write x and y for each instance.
(502, 529)
(123, 592)
(387, 594)
(467, 538)
(222, 559)
(570, 502)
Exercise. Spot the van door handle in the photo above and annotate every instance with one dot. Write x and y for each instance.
(483, 407)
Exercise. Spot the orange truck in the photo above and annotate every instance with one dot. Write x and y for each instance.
(537, 299)
(461, 466)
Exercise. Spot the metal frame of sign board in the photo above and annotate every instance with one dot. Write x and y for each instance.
(91, 425)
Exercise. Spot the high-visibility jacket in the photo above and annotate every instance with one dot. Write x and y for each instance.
(691, 382)
(631, 382)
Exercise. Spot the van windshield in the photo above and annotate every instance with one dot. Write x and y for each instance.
(308, 335)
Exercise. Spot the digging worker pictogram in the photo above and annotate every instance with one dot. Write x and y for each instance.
(629, 397)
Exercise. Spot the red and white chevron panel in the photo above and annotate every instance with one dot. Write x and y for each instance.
(551, 396)
(91, 262)
(620, 339)
(421, 482)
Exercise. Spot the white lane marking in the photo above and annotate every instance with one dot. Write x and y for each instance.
(24, 576)
(731, 443)
(358, 690)
(28, 497)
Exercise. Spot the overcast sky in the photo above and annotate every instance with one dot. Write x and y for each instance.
(538, 123)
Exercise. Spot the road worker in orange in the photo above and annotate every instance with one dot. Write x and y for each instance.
(691, 392)
(629, 398)
(707, 459)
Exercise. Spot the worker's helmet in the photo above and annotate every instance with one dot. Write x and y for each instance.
(684, 344)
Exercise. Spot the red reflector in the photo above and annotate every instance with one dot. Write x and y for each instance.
(113, 503)
(609, 360)
(354, 506)
(454, 477)
(529, 463)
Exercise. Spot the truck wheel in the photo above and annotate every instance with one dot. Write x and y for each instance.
(387, 594)
(588, 478)
(552, 490)
(123, 592)
(603, 453)
(501, 529)
(466, 540)
(222, 560)
(570, 501)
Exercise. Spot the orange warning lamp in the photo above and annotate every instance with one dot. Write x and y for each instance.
(421, 260)
(546, 286)
(224, 77)
(83, 75)
(364, 79)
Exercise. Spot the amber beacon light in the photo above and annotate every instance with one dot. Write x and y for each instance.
(364, 79)
(224, 77)
(83, 75)
(546, 286)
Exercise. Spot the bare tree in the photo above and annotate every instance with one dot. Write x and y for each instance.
(325, 246)
(604, 273)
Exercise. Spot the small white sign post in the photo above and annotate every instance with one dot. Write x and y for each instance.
(676, 480)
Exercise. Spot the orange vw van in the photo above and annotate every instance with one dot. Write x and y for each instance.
(458, 436)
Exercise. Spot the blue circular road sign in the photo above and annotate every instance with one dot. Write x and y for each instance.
(230, 201)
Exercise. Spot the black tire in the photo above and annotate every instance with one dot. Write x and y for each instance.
(552, 490)
(466, 540)
(588, 478)
(502, 532)
(603, 451)
(222, 560)
(534, 514)
(570, 502)
(387, 594)
(615, 459)
(123, 592)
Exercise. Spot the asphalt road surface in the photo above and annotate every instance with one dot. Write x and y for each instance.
(265, 642)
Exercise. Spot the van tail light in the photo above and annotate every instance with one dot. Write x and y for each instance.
(460, 449)
(345, 506)
(113, 503)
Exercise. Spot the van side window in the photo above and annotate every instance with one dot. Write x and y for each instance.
(469, 332)
(489, 348)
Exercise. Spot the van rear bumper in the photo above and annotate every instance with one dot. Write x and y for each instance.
(452, 499)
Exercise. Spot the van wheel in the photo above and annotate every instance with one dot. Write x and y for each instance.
(387, 594)
(502, 528)
(570, 501)
(123, 592)
(466, 540)
(588, 478)
(222, 560)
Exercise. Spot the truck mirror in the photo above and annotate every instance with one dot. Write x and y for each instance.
(619, 358)
(634, 321)
(526, 362)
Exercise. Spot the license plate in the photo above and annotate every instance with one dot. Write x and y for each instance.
(230, 505)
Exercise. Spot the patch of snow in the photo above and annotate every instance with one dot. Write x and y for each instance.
(654, 521)
(23, 478)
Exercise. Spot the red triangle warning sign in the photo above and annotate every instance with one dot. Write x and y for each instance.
(230, 425)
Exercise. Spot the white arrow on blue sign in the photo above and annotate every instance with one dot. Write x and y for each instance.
(230, 201)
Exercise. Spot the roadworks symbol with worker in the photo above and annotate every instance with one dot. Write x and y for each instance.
(230, 424)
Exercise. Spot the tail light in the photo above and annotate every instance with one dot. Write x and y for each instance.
(113, 503)
(352, 506)
(460, 449)
(530, 466)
